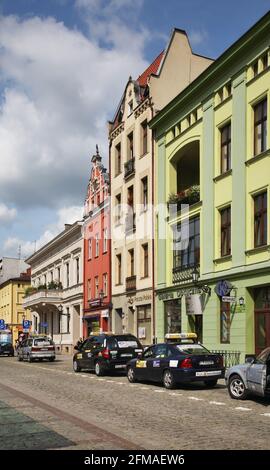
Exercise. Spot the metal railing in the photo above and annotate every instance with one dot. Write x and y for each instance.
(130, 283)
(230, 358)
(129, 167)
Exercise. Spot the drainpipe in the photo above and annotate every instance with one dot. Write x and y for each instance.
(153, 225)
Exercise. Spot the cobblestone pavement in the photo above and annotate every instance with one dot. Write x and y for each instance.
(48, 406)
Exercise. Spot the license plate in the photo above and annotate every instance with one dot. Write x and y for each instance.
(206, 363)
(120, 366)
(206, 374)
(126, 355)
(44, 349)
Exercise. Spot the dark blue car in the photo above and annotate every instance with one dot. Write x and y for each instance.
(177, 362)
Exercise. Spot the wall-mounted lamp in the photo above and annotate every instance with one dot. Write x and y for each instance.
(241, 301)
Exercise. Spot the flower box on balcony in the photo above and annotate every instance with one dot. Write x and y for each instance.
(188, 196)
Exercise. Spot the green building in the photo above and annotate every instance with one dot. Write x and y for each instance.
(213, 155)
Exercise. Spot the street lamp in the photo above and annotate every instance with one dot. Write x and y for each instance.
(241, 301)
(195, 278)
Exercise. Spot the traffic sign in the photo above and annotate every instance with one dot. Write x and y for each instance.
(2, 324)
(26, 324)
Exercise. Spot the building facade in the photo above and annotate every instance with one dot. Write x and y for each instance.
(132, 186)
(11, 299)
(213, 155)
(11, 267)
(56, 294)
(97, 251)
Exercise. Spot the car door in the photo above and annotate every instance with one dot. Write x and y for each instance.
(157, 363)
(143, 365)
(84, 355)
(256, 374)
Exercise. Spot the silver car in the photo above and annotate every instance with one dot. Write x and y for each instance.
(37, 348)
(250, 378)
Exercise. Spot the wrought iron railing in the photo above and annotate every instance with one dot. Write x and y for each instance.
(130, 283)
(183, 275)
(129, 167)
(230, 358)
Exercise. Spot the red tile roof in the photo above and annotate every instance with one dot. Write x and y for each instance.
(153, 68)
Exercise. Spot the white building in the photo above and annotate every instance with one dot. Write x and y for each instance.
(56, 295)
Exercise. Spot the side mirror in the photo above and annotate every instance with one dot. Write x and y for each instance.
(250, 359)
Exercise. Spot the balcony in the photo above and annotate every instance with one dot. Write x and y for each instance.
(183, 275)
(129, 168)
(130, 283)
(188, 196)
(130, 224)
(43, 297)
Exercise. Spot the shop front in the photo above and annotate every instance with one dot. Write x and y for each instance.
(96, 319)
(262, 318)
(140, 314)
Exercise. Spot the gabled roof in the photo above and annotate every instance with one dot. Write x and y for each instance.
(152, 68)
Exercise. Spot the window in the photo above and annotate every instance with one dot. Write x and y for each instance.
(225, 218)
(105, 240)
(105, 284)
(131, 261)
(96, 288)
(260, 127)
(225, 134)
(51, 274)
(145, 260)
(225, 322)
(59, 274)
(77, 270)
(260, 219)
(90, 248)
(118, 269)
(187, 250)
(229, 89)
(130, 150)
(118, 209)
(144, 137)
(89, 289)
(97, 246)
(67, 274)
(68, 320)
(265, 61)
(144, 192)
(255, 68)
(117, 159)
(130, 107)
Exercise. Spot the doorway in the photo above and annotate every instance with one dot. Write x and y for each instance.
(262, 318)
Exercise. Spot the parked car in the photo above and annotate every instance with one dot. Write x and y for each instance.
(180, 360)
(6, 349)
(106, 352)
(253, 377)
(36, 348)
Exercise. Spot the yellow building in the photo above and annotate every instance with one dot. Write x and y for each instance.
(11, 298)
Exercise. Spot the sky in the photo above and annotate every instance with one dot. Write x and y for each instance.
(63, 68)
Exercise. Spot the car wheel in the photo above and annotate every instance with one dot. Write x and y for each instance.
(19, 358)
(131, 375)
(210, 383)
(76, 366)
(237, 388)
(168, 380)
(51, 359)
(99, 370)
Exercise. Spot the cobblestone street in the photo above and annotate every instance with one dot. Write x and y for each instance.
(48, 406)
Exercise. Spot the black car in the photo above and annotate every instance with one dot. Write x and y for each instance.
(6, 349)
(178, 362)
(106, 352)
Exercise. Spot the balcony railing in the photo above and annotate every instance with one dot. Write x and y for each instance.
(131, 283)
(129, 167)
(43, 296)
(183, 275)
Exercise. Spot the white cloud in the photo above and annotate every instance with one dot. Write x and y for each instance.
(58, 89)
(66, 215)
(7, 215)
(198, 37)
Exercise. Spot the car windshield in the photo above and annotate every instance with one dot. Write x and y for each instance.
(124, 341)
(42, 342)
(191, 349)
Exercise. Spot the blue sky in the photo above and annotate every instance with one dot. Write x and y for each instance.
(63, 66)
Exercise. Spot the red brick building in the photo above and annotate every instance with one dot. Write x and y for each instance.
(97, 251)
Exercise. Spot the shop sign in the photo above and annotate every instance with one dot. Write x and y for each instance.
(105, 313)
(94, 303)
(229, 299)
(194, 305)
(141, 298)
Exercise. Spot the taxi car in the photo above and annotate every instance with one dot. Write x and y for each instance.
(253, 377)
(37, 347)
(106, 352)
(181, 359)
(6, 349)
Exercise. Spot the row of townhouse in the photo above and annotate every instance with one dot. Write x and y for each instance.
(175, 236)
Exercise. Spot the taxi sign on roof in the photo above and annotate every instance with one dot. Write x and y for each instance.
(178, 336)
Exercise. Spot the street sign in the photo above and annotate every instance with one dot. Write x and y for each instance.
(26, 324)
(2, 324)
(44, 325)
(229, 299)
